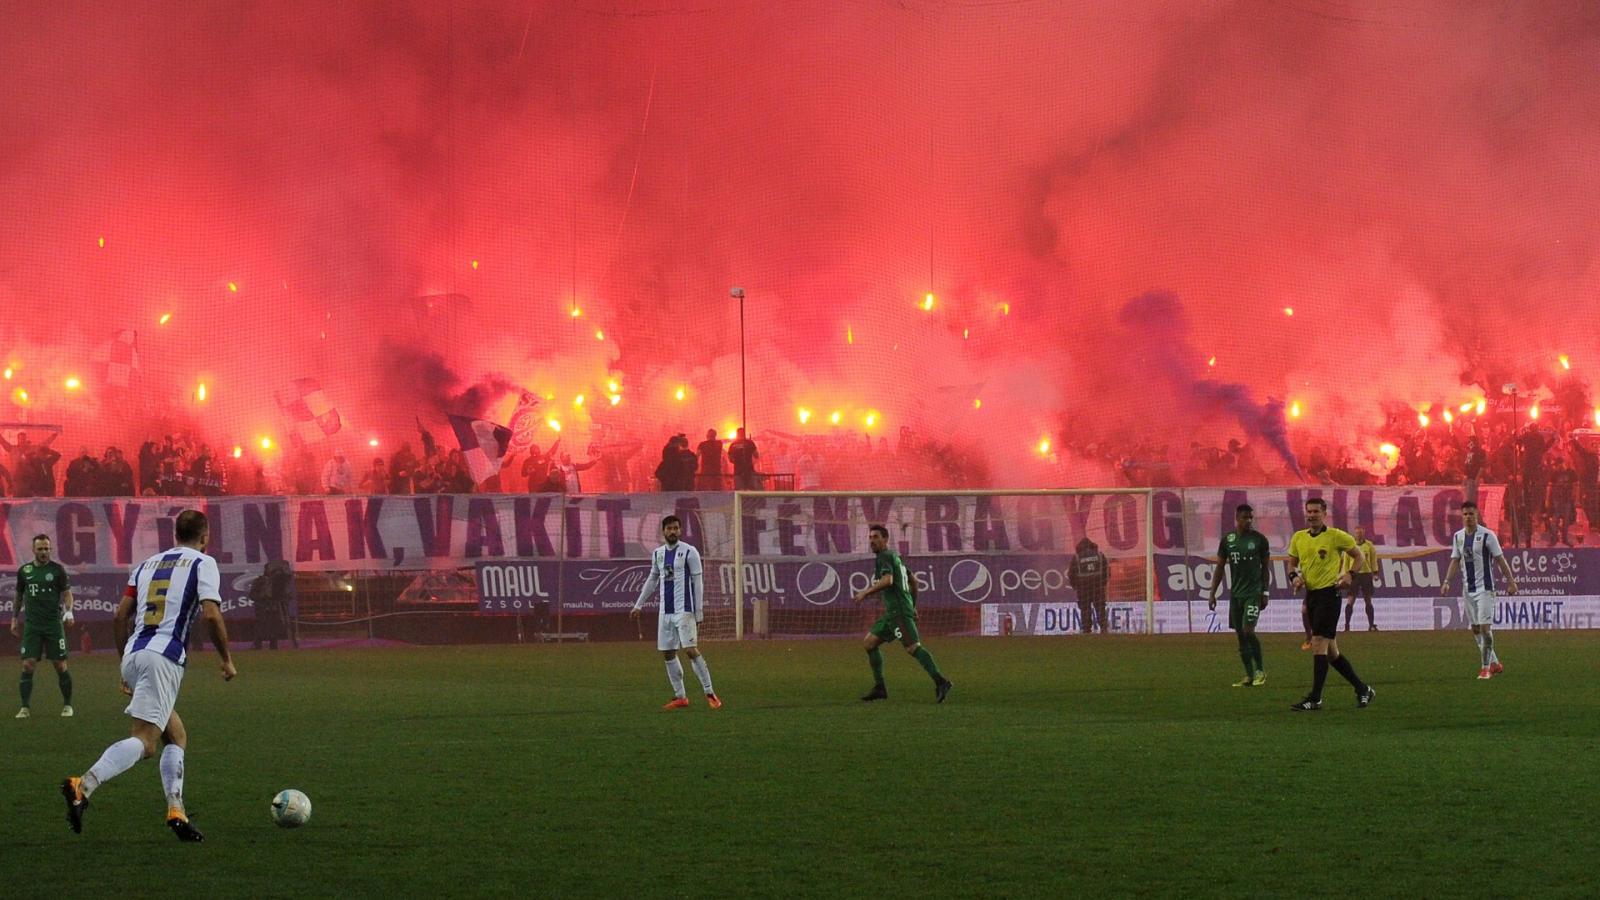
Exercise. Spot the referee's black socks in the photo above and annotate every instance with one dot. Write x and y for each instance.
(1319, 669)
(1342, 664)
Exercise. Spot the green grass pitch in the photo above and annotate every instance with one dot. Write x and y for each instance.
(1114, 766)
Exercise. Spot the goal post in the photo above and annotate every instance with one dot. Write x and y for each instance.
(983, 562)
(738, 566)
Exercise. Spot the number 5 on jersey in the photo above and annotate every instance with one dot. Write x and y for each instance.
(155, 600)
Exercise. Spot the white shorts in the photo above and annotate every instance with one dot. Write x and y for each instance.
(677, 631)
(1478, 607)
(154, 680)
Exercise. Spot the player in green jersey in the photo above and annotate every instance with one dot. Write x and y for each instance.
(42, 613)
(899, 621)
(1247, 557)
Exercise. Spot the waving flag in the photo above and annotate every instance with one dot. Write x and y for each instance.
(120, 357)
(308, 410)
(483, 444)
(524, 423)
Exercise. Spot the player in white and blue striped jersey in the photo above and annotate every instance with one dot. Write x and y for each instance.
(677, 579)
(167, 591)
(1476, 551)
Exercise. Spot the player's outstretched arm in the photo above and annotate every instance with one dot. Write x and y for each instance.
(122, 621)
(1350, 561)
(1503, 563)
(1505, 569)
(211, 610)
(645, 593)
(121, 627)
(697, 581)
(874, 587)
(19, 615)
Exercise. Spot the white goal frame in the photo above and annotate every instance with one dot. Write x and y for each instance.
(1149, 531)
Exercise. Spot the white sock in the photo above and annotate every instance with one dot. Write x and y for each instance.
(675, 675)
(172, 776)
(703, 673)
(1489, 656)
(1483, 659)
(118, 758)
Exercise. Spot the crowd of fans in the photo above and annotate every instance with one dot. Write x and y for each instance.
(179, 465)
(1551, 467)
(176, 466)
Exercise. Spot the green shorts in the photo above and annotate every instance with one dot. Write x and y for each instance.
(1244, 612)
(44, 644)
(898, 624)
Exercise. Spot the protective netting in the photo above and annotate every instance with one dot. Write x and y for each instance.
(978, 561)
(277, 259)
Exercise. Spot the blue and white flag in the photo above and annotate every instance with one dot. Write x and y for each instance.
(483, 444)
(306, 407)
(120, 357)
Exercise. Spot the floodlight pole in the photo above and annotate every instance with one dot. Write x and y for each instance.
(1516, 459)
(738, 294)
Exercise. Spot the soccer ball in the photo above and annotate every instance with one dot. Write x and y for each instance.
(291, 809)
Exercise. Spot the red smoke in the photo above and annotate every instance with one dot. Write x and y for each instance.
(412, 199)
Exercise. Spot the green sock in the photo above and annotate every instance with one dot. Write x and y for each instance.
(1246, 654)
(65, 680)
(27, 688)
(1255, 652)
(928, 665)
(875, 656)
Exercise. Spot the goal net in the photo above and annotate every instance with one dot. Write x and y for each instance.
(602, 577)
(983, 562)
(591, 560)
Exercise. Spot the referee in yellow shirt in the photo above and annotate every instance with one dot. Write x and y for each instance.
(1320, 559)
(1361, 579)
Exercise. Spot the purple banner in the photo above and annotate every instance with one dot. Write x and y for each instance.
(608, 585)
(576, 587)
(942, 581)
(1542, 572)
(601, 585)
(517, 587)
(361, 533)
(1395, 519)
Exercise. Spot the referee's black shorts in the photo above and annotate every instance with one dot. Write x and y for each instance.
(1323, 605)
(1361, 584)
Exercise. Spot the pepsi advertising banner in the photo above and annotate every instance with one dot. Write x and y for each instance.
(511, 588)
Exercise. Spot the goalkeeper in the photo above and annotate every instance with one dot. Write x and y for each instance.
(42, 613)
